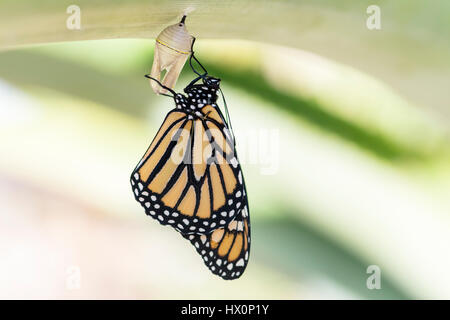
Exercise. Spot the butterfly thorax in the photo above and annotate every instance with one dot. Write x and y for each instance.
(197, 96)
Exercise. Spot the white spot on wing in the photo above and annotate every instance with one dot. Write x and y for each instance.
(234, 162)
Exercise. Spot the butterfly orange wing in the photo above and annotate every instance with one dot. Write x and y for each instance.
(190, 177)
(226, 250)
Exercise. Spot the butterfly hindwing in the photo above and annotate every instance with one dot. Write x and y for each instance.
(226, 250)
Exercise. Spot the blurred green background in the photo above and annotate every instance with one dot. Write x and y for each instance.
(343, 171)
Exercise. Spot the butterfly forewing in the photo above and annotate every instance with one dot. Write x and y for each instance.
(189, 177)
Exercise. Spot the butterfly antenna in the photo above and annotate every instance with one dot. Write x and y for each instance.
(227, 115)
(162, 86)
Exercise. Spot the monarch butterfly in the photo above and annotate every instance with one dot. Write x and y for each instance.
(190, 177)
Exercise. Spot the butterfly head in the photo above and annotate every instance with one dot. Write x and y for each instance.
(211, 82)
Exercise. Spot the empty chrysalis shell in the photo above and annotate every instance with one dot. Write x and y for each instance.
(172, 48)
